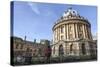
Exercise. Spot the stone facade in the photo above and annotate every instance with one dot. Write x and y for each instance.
(26, 51)
(72, 36)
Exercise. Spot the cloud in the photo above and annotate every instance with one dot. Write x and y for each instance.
(43, 10)
(34, 7)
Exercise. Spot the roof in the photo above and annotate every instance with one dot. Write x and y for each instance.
(70, 12)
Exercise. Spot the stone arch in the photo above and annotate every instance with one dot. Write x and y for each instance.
(61, 50)
(71, 47)
(83, 48)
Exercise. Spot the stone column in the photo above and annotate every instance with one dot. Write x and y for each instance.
(90, 33)
(77, 49)
(84, 31)
(76, 30)
(64, 32)
(67, 30)
(73, 30)
(58, 33)
(57, 50)
(64, 48)
(53, 36)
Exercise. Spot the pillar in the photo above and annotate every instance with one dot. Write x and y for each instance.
(76, 30)
(84, 31)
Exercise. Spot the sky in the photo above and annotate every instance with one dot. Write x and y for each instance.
(35, 20)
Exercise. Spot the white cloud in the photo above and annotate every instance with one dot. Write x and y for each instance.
(34, 7)
(44, 10)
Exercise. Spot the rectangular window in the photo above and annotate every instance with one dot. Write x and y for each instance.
(17, 46)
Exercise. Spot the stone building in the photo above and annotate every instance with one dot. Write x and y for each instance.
(72, 36)
(25, 51)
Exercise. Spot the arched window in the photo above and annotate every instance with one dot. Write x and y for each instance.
(83, 49)
(61, 51)
(71, 47)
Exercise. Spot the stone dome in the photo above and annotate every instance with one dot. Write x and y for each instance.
(70, 12)
(69, 15)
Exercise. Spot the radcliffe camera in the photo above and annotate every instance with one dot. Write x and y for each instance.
(46, 33)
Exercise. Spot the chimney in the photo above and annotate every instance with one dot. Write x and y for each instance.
(34, 40)
(25, 38)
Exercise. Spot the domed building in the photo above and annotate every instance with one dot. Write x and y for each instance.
(72, 36)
